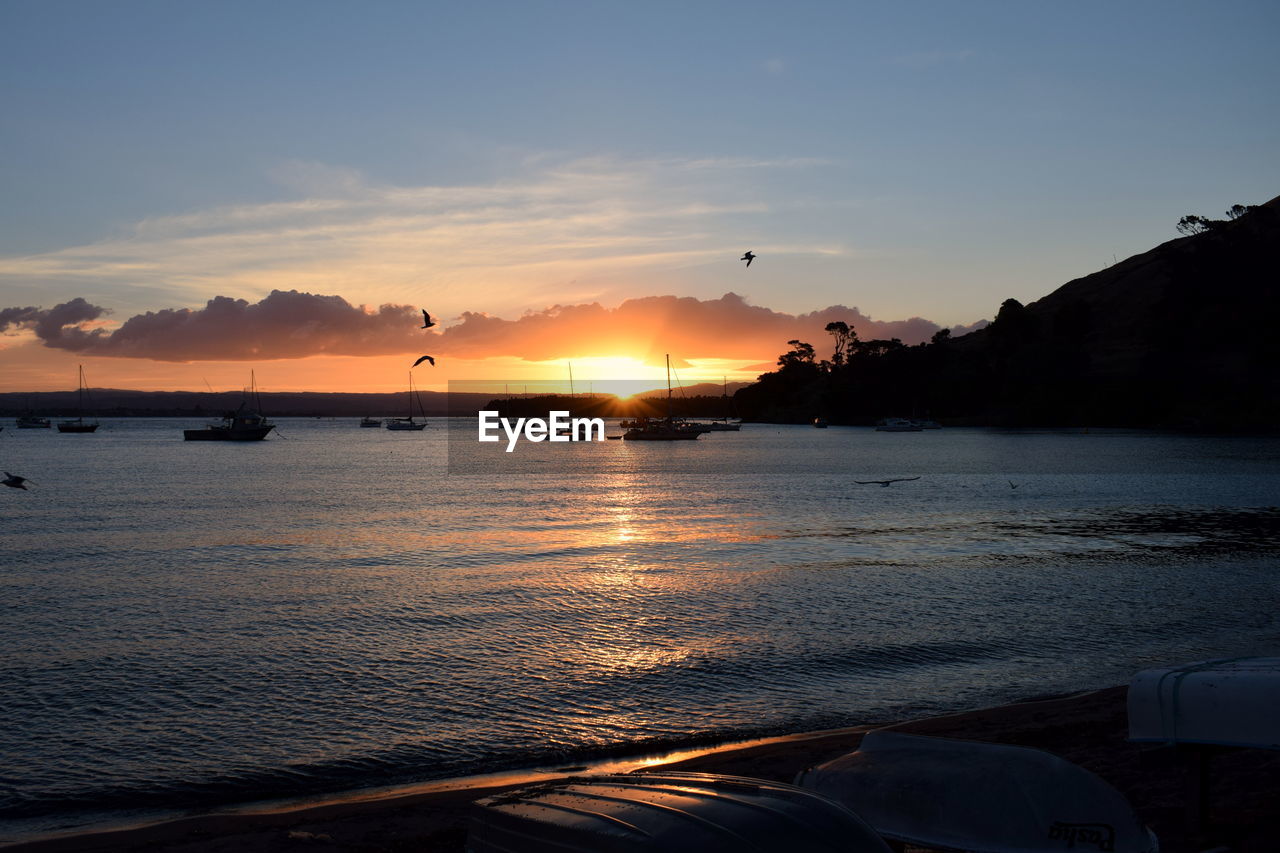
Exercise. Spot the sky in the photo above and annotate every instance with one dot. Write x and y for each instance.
(190, 191)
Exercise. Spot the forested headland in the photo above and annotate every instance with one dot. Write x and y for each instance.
(1184, 336)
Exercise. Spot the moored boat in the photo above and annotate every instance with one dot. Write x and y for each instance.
(726, 423)
(370, 422)
(244, 424)
(409, 424)
(240, 425)
(820, 423)
(79, 424)
(897, 425)
(32, 422)
(664, 429)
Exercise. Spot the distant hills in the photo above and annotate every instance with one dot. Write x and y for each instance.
(109, 402)
(1180, 336)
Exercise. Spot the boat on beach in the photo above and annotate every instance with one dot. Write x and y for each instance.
(1228, 702)
(244, 424)
(978, 797)
(666, 812)
(79, 424)
(409, 424)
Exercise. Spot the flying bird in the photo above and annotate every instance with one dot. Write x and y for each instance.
(425, 358)
(427, 322)
(748, 257)
(1014, 485)
(885, 483)
(13, 481)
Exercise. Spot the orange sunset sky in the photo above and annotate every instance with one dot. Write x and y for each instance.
(196, 191)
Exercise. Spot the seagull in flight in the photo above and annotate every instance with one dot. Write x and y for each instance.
(425, 358)
(427, 322)
(748, 257)
(13, 481)
(885, 483)
(1014, 485)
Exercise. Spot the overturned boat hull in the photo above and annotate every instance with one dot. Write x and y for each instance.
(666, 813)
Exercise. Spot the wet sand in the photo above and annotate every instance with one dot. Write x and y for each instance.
(1088, 729)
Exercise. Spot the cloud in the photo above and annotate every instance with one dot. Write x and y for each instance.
(290, 324)
(601, 221)
(285, 324)
(18, 318)
(647, 327)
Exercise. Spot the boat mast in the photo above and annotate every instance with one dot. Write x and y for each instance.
(668, 386)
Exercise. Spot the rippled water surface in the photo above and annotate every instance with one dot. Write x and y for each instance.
(190, 624)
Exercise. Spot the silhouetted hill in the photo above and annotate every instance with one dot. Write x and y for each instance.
(1180, 335)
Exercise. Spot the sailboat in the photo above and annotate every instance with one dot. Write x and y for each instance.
(409, 423)
(667, 429)
(724, 424)
(78, 424)
(244, 424)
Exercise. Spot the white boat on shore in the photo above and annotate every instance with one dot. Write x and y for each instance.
(1228, 702)
(979, 797)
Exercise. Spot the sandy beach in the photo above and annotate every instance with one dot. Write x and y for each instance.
(1089, 729)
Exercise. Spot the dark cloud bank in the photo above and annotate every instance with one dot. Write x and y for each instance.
(289, 324)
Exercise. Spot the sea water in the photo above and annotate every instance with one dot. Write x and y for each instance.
(190, 625)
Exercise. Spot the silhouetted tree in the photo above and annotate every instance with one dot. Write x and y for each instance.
(844, 336)
(941, 336)
(1238, 210)
(800, 355)
(1192, 224)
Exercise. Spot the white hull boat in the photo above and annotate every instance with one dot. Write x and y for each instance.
(950, 794)
(1228, 702)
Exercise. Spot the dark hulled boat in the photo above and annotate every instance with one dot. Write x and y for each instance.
(240, 425)
(243, 424)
